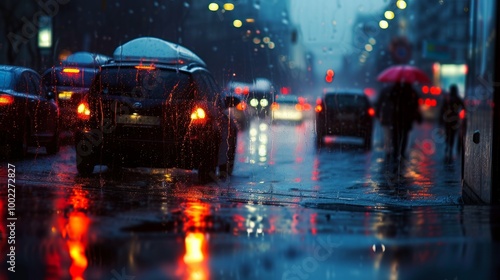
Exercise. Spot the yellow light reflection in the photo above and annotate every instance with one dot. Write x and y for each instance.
(213, 7)
(228, 6)
(237, 23)
(401, 4)
(389, 15)
(383, 24)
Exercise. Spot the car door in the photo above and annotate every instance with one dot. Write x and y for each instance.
(43, 111)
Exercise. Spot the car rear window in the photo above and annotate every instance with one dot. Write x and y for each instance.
(153, 84)
(345, 100)
(5, 79)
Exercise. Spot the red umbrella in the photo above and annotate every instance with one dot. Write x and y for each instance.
(403, 73)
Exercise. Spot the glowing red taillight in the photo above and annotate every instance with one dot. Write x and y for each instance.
(6, 99)
(242, 106)
(299, 107)
(462, 114)
(371, 112)
(318, 108)
(83, 111)
(198, 116)
(275, 106)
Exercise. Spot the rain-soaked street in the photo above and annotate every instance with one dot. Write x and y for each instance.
(290, 211)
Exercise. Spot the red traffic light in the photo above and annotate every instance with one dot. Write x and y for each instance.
(329, 75)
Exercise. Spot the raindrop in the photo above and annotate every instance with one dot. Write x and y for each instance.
(256, 5)
(285, 21)
(150, 20)
(130, 11)
(186, 5)
(156, 4)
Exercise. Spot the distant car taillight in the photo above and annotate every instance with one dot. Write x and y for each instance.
(299, 107)
(318, 108)
(71, 70)
(462, 114)
(198, 116)
(371, 112)
(6, 99)
(275, 106)
(242, 106)
(83, 111)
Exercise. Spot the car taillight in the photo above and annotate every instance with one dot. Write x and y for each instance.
(299, 107)
(71, 70)
(462, 114)
(83, 111)
(242, 106)
(371, 112)
(318, 108)
(198, 116)
(275, 106)
(6, 99)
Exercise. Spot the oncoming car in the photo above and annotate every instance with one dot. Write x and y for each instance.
(29, 116)
(344, 113)
(156, 105)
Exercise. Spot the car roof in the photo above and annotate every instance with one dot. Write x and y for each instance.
(15, 69)
(347, 91)
(157, 51)
(85, 59)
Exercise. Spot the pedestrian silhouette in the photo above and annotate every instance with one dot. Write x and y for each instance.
(450, 119)
(398, 109)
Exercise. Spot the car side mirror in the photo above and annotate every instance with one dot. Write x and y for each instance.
(231, 101)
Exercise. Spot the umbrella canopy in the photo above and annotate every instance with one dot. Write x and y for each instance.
(403, 74)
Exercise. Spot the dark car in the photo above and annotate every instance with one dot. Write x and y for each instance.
(156, 105)
(29, 115)
(345, 113)
(71, 80)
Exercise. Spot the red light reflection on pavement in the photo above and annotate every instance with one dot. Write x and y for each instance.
(194, 262)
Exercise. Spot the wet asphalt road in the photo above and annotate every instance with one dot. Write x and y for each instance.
(291, 211)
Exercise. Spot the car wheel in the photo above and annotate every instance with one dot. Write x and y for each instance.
(53, 146)
(207, 168)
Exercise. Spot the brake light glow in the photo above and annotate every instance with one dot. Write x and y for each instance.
(71, 70)
(145, 67)
(462, 114)
(6, 99)
(299, 107)
(371, 112)
(318, 108)
(275, 106)
(198, 116)
(242, 106)
(83, 111)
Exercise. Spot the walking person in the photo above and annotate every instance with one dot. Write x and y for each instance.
(450, 119)
(400, 105)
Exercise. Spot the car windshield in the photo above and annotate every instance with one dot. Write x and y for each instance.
(155, 84)
(5, 79)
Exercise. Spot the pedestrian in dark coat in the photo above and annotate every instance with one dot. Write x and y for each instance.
(450, 118)
(401, 110)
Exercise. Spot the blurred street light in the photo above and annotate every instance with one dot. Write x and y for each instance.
(389, 15)
(401, 4)
(213, 7)
(383, 24)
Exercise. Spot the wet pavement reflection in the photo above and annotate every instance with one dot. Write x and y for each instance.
(291, 211)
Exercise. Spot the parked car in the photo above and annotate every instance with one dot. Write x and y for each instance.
(29, 115)
(345, 113)
(71, 80)
(156, 105)
(289, 108)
